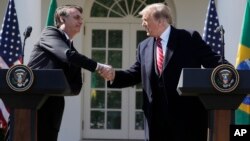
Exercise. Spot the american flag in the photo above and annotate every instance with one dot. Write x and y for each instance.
(212, 38)
(10, 49)
(10, 39)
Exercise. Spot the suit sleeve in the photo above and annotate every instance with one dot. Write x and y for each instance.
(204, 53)
(53, 41)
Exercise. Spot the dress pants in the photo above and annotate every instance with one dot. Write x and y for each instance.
(49, 118)
(174, 119)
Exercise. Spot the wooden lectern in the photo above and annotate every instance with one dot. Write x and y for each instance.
(197, 82)
(24, 105)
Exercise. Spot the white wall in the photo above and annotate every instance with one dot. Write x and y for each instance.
(28, 12)
(191, 14)
(231, 14)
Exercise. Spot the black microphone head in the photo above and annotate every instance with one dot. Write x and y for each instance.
(27, 32)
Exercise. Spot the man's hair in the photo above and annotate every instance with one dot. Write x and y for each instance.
(158, 11)
(62, 11)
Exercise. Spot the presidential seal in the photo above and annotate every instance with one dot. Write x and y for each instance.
(225, 78)
(19, 78)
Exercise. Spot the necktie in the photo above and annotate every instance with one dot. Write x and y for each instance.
(159, 55)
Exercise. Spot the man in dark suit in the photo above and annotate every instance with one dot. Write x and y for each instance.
(168, 116)
(55, 50)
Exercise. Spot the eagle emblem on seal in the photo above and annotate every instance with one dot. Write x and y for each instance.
(19, 78)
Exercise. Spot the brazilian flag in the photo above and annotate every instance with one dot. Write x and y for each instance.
(51, 12)
(242, 114)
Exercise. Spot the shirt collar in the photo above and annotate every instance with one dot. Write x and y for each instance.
(165, 35)
(67, 36)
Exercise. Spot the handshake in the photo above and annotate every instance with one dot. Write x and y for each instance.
(106, 71)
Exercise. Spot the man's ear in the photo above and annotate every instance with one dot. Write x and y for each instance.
(62, 20)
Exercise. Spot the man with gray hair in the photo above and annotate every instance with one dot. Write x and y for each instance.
(159, 62)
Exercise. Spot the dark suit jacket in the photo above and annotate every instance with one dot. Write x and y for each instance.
(185, 49)
(55, 51)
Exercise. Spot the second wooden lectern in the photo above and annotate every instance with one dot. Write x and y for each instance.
(197, 82)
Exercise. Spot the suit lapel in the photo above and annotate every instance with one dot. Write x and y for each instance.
(170, 47)
(65, 37)
(149, 57)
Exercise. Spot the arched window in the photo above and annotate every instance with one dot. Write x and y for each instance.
(119, 8)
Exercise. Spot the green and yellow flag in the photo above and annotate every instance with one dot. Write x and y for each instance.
(242, 114)
(51, 12)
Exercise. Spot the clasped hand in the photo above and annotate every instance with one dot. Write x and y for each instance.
(106, 71)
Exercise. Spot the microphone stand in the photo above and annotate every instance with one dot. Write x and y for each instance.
(222, 31)
(25, 37)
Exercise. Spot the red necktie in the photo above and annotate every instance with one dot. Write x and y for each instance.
(159, 55)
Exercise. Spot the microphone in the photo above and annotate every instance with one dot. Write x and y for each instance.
(27, 32)
(219, 29)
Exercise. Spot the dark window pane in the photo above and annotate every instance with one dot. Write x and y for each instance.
(98, 38)
(99, 55)
(140, 36)
(113, 14)
(98, 11)
(97, 81)
(138, 100)
(115, 39)
(107, 3)
(114, 120)
(101, 8)
(115, 59)
(97, 120)
(117, 11)
(154, 1)
(139, 121)
(124, 7)
(97, 99)
(130, 5)
(114, 99)
(137, 4)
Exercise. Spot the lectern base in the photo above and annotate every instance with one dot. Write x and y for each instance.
(220, 125)
(23, 127)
